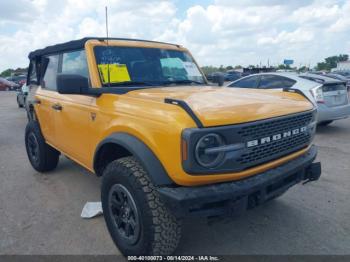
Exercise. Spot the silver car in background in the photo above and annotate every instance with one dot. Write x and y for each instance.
(330, 95)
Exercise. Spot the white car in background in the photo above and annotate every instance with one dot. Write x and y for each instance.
(22, 95)
(330, 95)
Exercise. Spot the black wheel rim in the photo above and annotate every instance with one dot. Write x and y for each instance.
(124, 213)
(33, 148)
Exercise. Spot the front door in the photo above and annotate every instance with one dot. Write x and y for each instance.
(74, 113)
(73, 119)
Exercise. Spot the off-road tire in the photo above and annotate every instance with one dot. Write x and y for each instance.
(160, 230)
(47, 157)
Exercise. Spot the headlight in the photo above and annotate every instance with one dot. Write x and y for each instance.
(209, 159)
(317, 93)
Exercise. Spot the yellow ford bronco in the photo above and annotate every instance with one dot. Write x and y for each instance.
(167, 145)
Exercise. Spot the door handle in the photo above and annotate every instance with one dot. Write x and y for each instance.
(57, 107)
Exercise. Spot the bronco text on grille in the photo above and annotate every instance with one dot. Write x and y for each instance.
(277, 137)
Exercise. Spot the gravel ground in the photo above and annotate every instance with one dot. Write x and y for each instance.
(40, 214)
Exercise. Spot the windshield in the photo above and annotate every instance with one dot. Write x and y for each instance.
(126, 66)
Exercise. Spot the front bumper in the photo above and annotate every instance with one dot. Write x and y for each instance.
(326, 113)
(237, 196)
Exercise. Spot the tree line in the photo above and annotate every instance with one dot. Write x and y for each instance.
(10, 71)
(326, 65)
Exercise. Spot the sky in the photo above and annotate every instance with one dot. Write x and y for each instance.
(217, 32)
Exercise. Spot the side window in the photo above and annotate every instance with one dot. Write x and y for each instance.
(33, 77)
(275, 82)
(270, 81)
(75, 63)
(289, 82)
(49, 79)
(249, 82)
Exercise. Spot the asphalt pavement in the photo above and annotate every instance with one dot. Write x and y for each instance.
(40, 213)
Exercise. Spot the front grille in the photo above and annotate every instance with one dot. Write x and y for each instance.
(272, 150)
(249, 136)
(275, 126)
(275, 148)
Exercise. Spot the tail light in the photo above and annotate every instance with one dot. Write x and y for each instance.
(317, 93)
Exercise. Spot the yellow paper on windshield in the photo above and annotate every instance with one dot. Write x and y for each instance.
(117, 73)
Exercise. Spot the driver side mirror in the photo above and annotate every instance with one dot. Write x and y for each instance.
(72, 84)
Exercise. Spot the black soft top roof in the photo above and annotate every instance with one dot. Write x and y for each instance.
(75, 45)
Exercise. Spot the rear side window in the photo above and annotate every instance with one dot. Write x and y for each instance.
(249, 82)
(33, 78)
(49, 79)
(75, 63)
(274, 82)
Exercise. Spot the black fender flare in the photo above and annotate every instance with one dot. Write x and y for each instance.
(142, 152)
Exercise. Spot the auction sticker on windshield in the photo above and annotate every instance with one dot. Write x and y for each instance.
(117, 73)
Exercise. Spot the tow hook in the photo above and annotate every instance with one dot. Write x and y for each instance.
(313, 172)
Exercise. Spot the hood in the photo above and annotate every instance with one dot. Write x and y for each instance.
(216, 106)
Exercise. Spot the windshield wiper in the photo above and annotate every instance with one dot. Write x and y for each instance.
(186, 81)
(133, 83)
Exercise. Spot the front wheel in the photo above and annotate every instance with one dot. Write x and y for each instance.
(137, 220)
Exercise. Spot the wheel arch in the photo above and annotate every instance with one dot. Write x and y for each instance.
(122, 145)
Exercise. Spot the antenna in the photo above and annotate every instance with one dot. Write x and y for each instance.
(108, 73)
(106, 8)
